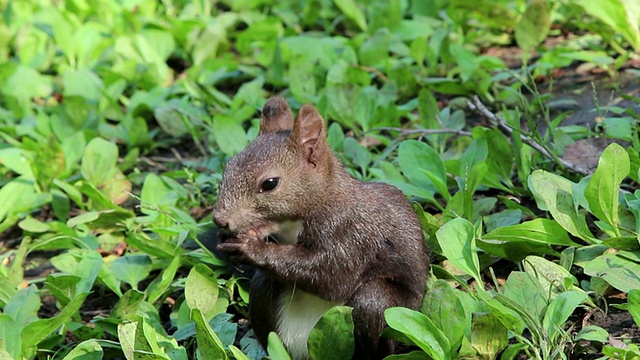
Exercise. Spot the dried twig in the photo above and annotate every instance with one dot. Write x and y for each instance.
(479, 107)
(423, 132)
(374, 71)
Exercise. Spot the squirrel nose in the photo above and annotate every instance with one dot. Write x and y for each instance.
(220, 221)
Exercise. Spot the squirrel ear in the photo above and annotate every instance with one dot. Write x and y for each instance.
(308, 131)
(276, 116)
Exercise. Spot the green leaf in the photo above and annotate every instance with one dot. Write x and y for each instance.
(99, 161)
(353, 12)
(555, 194)
(332, 336)
(237, 353)
(603, 190)
(163, 281)
(276, 348)
(86, 350)
(540, 230)
(559, 311)
(446, 311)
(155, 193)
(422, 165)
(509, 317)
(10, 336)
(82, 83)
(633, 298)
(458, 244)
(137, 339)
(19, 195)
(549, 275)
(128, 305)
(23, 307)
(420, 330)
(201, 290)
(593, 333)
(614, 268)
(38, 330)
(229, 134)
(488, 336)
(533, 26)
(132, 268)
(522, 288)
(209, 345)
(621, 15)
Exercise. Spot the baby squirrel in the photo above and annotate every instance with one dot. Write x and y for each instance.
(338, 241)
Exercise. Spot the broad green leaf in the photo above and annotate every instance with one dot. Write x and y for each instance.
(301, 78)
(549, 275)
(423, 166)
(209, 345)
(375, 50)
(559, 311)
(62, 286)
(522, 288)
(555, 194)
(414, 355)
(163, 281)
(135, 342)
(16, 269)
(540, 230)
(99, 161)
(615, 269)
(201, 290)
(128, 305)
(420, 330)
(458, 244)
(228, 134)
(633, 298)
(533, 26)
(352, 11)
(155, 192)
(38, 330)
(276, 349)
(237, 353)
(603, 190)
(88, 269)
(14, 84)
(132, 268)
(10, 336)
(161, 249)
(17, 160)
(621, 15)
(23, 307)
(488, 336)
(593, 333)
(510, 318)
(86, 350)
(19, 196)
(83, 83)
(446, 311)
(332, 336)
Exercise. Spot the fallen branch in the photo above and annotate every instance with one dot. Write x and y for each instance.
(479, 107)
(404, 132)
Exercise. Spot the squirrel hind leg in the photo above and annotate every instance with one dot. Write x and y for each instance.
(263, 292)
(369, 304)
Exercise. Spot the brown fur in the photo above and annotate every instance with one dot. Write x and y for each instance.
(360, 244)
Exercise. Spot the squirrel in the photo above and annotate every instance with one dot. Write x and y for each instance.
(316, 236)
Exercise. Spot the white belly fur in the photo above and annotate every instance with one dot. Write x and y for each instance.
(298, 313)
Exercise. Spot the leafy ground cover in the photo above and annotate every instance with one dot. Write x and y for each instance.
(117, 118)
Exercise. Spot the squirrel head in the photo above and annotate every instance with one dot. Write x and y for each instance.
(280, 176)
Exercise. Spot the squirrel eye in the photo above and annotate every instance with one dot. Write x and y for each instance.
(269, 184)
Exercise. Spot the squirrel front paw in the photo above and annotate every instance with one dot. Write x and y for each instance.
(243, 248)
